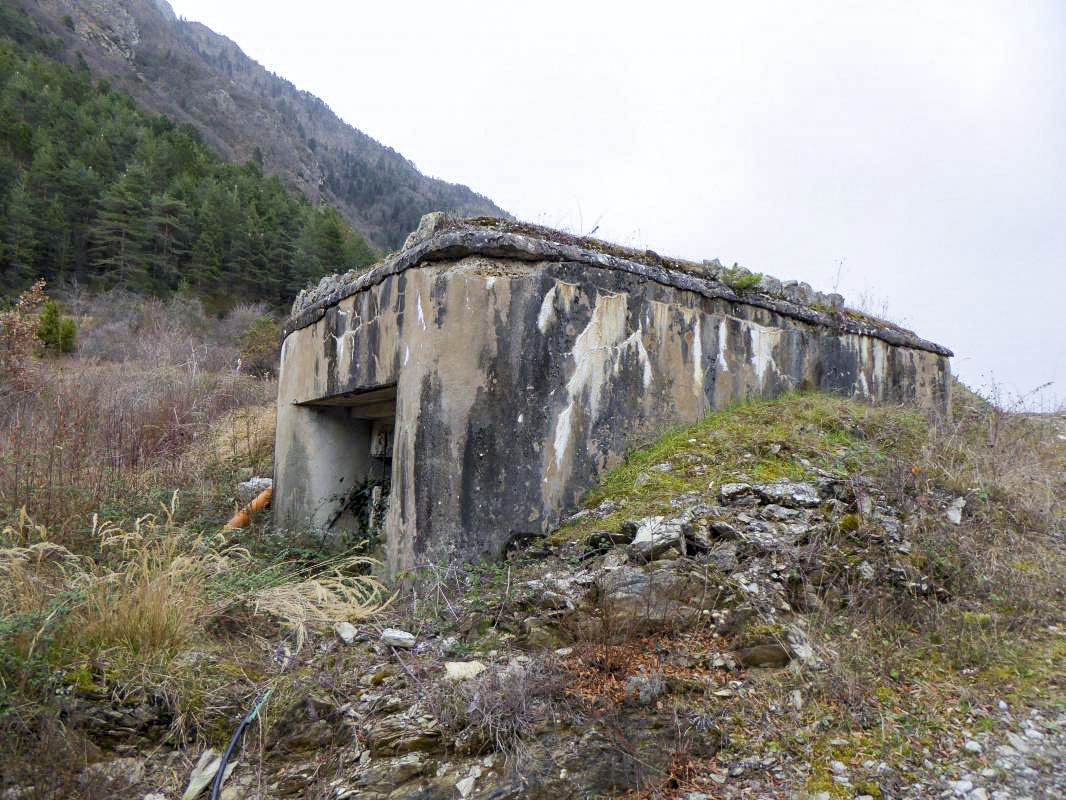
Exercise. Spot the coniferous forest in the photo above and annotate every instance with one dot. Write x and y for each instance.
(95, 192)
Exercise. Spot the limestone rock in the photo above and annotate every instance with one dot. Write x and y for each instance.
(764, 655)
(954, 512)
(308, 724)
(397, 734)
(654, 537)
(346, 631)
(789, 494)
(385, 774)
(724, 556)
(731, 493)
(635, 598)
(723, 530)
(643, 690)
(204, 772)
(427, 226)
(456, 671)
(115, 774)
(253, 486)
(394, 637)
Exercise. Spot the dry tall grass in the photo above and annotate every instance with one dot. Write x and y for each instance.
(150, 378)
(131, 616)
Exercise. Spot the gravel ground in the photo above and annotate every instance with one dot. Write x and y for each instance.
(1025, 758)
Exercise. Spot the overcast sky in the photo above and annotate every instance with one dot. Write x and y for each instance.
(910, 155)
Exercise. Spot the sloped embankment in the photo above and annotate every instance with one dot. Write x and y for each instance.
(809, 596)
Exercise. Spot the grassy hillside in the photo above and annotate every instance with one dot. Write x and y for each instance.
(95, 192)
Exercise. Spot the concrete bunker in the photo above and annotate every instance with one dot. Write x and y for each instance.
(482, 378)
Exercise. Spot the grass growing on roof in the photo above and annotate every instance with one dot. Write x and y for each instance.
(761, 440)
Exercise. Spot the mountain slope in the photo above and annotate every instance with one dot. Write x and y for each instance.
(96, 192)
(187, 71)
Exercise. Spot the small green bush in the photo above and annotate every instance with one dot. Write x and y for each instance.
(740, 280)
(57, 334)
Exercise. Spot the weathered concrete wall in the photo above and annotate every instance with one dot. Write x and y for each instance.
(519, 381)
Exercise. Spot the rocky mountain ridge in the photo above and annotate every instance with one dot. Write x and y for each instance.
(187, 71)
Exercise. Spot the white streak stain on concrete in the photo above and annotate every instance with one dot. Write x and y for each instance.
(598, 351)
(880, 364)
(636, 341)
(763, 341)
(562, 434)
(421, 316)
(697, 359)
(490, 282)
(547, 311)
(340, 342)
(723, 346)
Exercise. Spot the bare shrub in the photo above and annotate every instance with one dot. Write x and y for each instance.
(122, 327)
(89, 430)
(149, 379)
(18, 338)
(498, 709)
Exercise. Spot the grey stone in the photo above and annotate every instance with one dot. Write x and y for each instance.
(764, 655)
(780, 513)
(307, 725)
(724, 556)
(253, 486)
(643, 690)
(456, 671)
(638, 598)
(116, 773)
(789, 494)
(655, 536)
(732, 492)
(954, 510)
(723, 530)
(427, 226)
(346, 631)
(204, 772)
(394, 637)
(397, 734)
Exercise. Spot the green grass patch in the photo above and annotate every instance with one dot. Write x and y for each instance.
(762, 440)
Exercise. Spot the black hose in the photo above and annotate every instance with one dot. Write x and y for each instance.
(216, 785)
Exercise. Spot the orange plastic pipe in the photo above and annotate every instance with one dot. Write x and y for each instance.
(244, 516)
